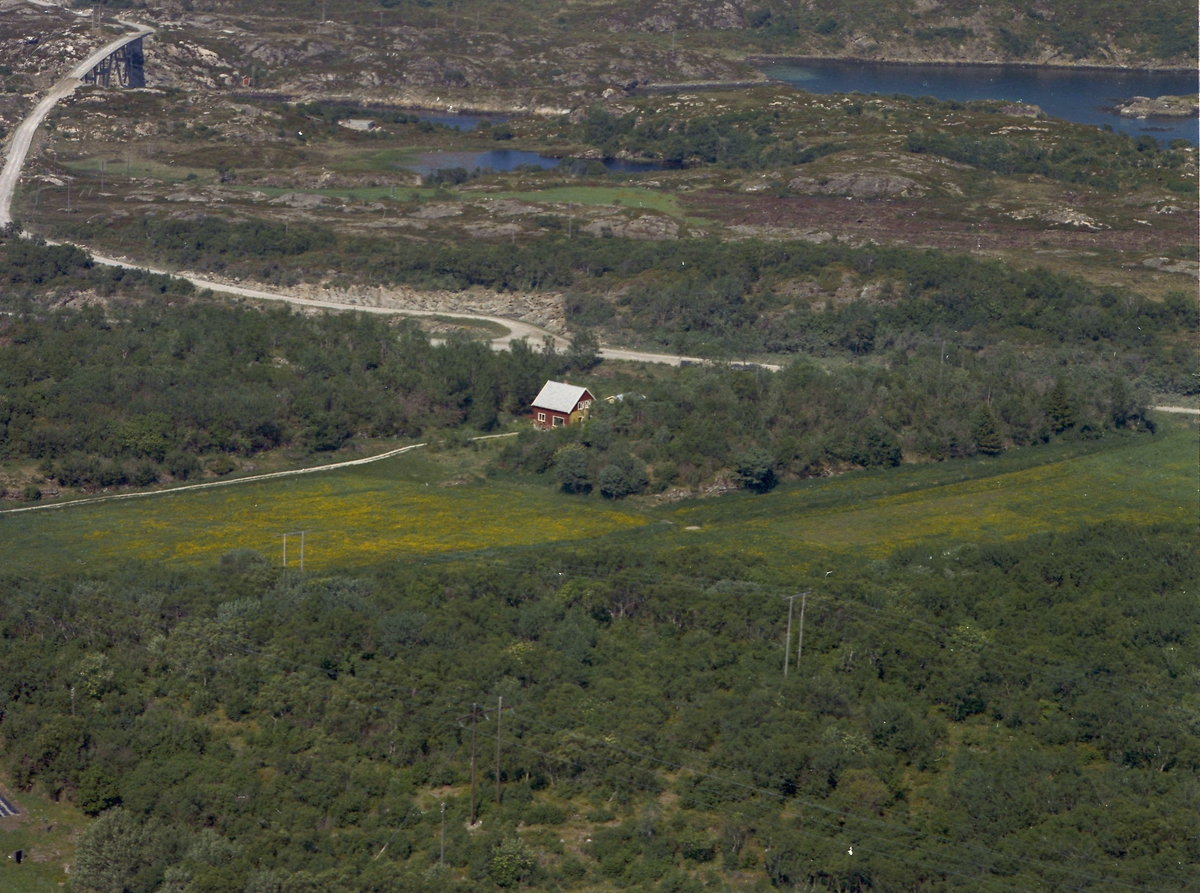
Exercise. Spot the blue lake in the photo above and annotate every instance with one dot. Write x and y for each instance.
(1076, 94)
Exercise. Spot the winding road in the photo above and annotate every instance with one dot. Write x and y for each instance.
(18, 146)
(22, 139)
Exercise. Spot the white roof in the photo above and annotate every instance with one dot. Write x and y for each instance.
(558, 396)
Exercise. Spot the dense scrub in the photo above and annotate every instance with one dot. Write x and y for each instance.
(1018, 716)
(726, 298)
(809, 420)
(756, 138)
(146, 382)
(972, 358)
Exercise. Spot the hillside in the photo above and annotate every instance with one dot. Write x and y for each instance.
(872, 568)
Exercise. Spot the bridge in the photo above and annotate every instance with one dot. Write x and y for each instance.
(123, 57)
(127, 63)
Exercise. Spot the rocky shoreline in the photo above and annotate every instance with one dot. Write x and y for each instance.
(1162, 107)
(762, 59)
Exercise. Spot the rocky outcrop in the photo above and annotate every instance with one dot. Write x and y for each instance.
(1163, 107)
(539, 309)
(864, 185)
(648, 227)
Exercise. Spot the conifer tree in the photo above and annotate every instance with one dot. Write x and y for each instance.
(1059, 408)
(986, 432)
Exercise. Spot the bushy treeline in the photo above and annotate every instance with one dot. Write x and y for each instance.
(1019, 711)
(1097, 162)
(749, 138)
(756, 138)
(722, 298)
(808, 420)
(30, 267)
(971, 358)
(131, 391)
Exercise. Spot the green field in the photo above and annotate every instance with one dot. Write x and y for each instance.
(407, 506)
(438, 504)
(1142, 480)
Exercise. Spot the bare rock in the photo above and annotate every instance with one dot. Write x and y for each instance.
(648, 227)
(436, 212)
(864, 185)
(303, 200)
(1021, 110)
(1162, 107)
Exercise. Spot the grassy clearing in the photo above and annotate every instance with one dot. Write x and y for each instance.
(47, 837)
(405, 506)
(1142, 480)
(435, 504)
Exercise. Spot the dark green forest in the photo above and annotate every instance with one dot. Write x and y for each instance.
(1018, 716)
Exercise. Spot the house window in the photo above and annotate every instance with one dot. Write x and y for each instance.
(541, 417)
(559, 421)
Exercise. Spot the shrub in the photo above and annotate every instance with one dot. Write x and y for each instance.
(624, 476)
(512, 861)
(571, 466)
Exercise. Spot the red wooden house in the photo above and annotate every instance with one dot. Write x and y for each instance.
(558, 404)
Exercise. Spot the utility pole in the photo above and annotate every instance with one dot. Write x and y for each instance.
(787, 641)
(499, 715)
(787, 648)
(284, 536)
(442, 854)
(474, 714)
(323, 10)
(800, 644)
(68, 179)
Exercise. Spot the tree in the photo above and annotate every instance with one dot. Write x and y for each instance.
(624, 476)
(756, 470)
(584, 352)
(511, 862)
(572, 468)
(985, 432)
(1059, 408)
(119, 853)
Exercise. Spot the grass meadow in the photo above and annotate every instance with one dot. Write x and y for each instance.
(415, 506)
(1137, 480)
(407, 506)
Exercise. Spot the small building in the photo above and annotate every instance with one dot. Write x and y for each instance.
(364, 124)
(558, 404)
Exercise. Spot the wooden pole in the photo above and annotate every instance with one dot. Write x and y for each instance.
(499, 715)
(474, 713)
